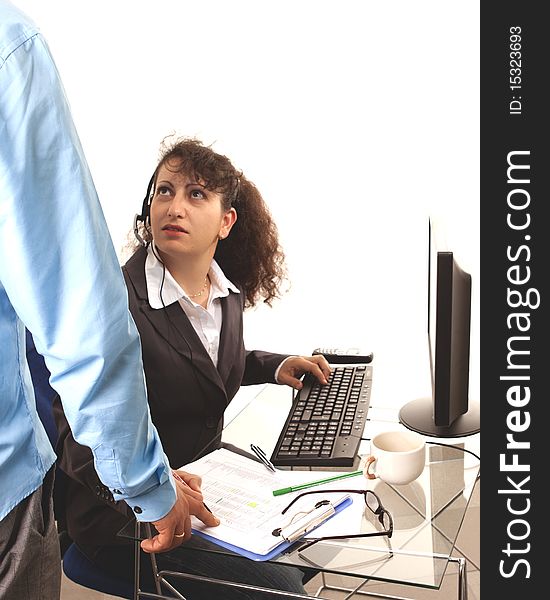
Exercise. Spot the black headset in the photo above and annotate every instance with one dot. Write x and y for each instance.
(145, 211)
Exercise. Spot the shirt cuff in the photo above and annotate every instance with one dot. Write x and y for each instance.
(154, 504)
(279, 368)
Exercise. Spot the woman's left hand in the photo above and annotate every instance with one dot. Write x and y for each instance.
(295, 366)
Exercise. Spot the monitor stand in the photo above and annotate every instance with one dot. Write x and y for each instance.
(418, 416)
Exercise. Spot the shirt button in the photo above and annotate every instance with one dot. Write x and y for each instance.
(138, 510)
(117, 492)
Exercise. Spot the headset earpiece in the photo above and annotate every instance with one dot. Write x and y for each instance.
(136, 231)
(145, 210)
(146, 206)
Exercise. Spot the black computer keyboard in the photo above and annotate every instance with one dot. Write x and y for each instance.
(326, 422)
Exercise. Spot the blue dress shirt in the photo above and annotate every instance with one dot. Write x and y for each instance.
(60, 277)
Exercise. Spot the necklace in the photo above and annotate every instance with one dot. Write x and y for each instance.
(198, 294)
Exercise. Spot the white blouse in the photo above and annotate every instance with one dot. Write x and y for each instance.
(207, 322)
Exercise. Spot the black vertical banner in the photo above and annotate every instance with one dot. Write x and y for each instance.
(515, 169)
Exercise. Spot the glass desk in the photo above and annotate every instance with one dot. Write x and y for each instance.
(427, 513)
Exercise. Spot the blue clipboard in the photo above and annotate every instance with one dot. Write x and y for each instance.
(279, 548)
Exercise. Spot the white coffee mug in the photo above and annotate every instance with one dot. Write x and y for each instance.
(396, 457)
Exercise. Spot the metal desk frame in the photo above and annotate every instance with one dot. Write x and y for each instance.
(161, 580)
(462, 588)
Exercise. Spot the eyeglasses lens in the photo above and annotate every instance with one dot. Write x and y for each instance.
(373, 503)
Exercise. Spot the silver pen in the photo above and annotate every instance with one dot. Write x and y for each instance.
(262, 456)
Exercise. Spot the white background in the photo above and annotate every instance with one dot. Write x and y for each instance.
(355, 119)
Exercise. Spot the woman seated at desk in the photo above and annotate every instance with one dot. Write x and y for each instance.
(208, 249)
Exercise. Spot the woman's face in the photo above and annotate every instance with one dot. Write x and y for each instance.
(186, 218)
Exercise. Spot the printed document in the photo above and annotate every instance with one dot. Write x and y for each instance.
(239, 491)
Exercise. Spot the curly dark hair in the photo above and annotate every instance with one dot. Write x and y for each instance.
(251, 256)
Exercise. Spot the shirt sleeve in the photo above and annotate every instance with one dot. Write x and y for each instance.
(62, 276)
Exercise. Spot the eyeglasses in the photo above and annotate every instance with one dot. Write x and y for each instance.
(372, 502)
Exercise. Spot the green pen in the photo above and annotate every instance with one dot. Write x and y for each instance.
(303, 486)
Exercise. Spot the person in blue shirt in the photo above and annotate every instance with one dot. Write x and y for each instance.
(60, 278)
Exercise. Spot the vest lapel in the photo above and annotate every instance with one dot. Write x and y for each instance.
(230, 333)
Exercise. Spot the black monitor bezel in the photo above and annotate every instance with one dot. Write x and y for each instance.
(448, 412)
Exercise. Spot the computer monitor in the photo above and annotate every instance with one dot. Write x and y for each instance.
(448, 412)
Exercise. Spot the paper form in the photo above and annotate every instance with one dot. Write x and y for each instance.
(239, 491)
